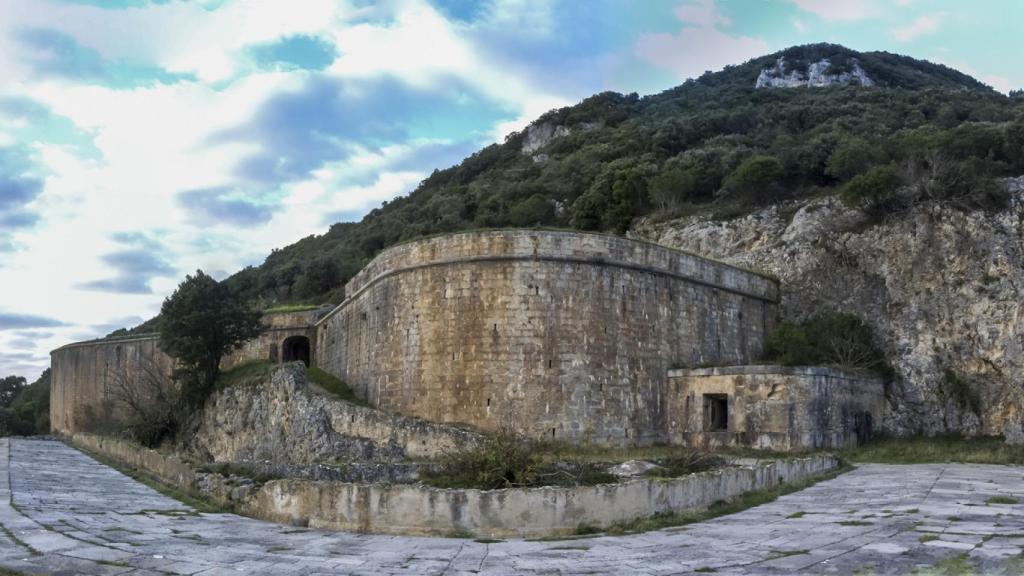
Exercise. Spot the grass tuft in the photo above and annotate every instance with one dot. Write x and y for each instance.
(937, 449)
(331, 384)
(958, 565)
(1002, 500)
(253, 373)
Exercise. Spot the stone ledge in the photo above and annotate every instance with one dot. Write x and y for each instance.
(422, 510)
(763, 369)
(577, 248)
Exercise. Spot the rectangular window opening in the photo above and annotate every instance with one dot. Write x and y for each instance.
(716, 412)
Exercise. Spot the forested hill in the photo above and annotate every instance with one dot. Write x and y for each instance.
(922, 132)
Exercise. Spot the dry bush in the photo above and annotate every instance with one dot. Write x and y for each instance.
(150, 401)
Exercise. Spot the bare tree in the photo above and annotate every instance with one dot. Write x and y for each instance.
(149, 399)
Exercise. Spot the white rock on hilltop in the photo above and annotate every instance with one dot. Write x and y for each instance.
(817, 76)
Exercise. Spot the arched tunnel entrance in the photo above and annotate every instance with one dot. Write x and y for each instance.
(295, 348)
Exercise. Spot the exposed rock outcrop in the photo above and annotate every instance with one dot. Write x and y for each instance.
(942, 289)
(781, 75)
(284, 422)
(540, 135)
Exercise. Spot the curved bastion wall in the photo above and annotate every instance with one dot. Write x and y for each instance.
(86, 375)
(559, 335)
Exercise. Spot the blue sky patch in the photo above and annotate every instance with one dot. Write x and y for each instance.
(223, 205)
(54, 54)
(330, 119)
(295, 52)
(37, 123)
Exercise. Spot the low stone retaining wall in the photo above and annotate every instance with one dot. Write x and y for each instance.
(421, 510)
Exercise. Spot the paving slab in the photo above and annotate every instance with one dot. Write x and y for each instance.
(64, 513)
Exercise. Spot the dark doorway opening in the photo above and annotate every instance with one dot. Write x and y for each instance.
(295, 348)
(716, 412)
(862, 427)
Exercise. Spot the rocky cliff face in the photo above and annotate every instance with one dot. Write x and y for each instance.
(539, 135)
(817, 75)
(942, 288)
(285, 422)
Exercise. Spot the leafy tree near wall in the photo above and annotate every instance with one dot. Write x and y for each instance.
(200, 323)
(29, 410)
(9, 388)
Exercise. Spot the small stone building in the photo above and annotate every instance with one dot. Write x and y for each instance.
(773, 407)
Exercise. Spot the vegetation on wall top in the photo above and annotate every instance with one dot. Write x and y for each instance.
(834, 339)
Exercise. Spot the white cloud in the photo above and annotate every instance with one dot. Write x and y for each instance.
(922, 25)
(699, 46)
(702, 13)
(800, 26)
(838, 10)
(997, 81)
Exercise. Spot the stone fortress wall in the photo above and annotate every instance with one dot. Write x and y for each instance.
(86, 375)
(560, 335)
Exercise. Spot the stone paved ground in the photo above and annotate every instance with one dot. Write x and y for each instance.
(64, 513)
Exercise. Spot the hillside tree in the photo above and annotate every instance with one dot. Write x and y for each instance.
(200, 323)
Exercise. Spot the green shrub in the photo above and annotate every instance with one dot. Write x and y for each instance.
(873, 188)
(852, 157)
(832, 339)
(956, 388)
(672, 187)
(682, 460)
(505, 461)
(534, 211)
(758, 177)
(510, 461)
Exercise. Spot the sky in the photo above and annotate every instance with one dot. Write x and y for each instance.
(141, 140)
